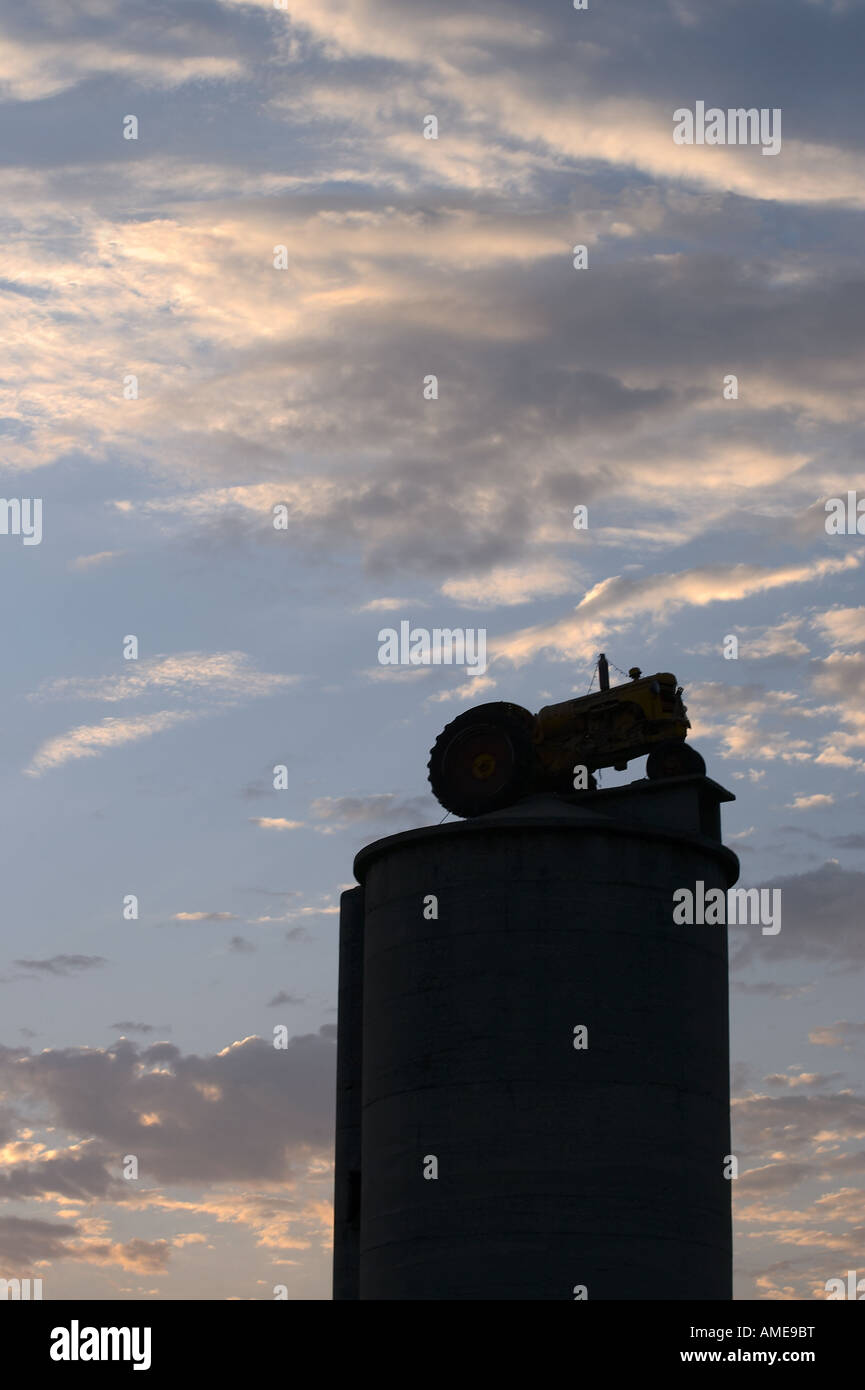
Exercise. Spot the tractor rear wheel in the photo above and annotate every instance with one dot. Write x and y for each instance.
(674, 759)
(484, 759)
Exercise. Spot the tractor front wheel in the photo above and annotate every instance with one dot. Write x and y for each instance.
(484, 759)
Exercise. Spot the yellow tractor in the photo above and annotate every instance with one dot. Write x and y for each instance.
(495, 754)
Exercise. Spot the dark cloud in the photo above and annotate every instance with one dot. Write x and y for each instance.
(237, 1116)
(760, 1121)
(821, 920)
(25, 1243)
(470, 503)
(76, 1177)
(238, 945)
(24, 1240)
(769, 989)
(127, 1026)
(62, 965)
(804, 830)
(854, 841)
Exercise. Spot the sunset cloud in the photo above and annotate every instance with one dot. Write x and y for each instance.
(615, 602)
(92, 740)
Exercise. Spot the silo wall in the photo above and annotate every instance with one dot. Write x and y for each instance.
(498, 1160)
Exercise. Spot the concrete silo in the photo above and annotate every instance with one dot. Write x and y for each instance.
(486, 1147)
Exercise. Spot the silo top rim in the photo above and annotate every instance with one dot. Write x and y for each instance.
(585, 812)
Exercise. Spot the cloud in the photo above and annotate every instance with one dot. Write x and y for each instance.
(611, 604)
(529, 391)
(143, 1256)
(508, 585)
(821, 914)
(777, 641)
(840, 679)
(810, 803)
(92, 740)
(89, 562)
(398, 674)
(844, 627)
(773, 1177)
(244, 1114)
(803, 1078)
(745, 731)
(276, 823)
(189, 1238)
(855, 841)
(72, 1176)
(326, 910)
(204, 917)
(808, 1123)
(281, 1220)
(627, 127)
(27, 1243)
(238, 945)
(210, 683)
(770, 989)
(468, 691)
(63, 965)
(283, 998)
(340, 812)
(390, 605)
(48, 52)
(221, 674)
(840, 1034)
(127, 1026)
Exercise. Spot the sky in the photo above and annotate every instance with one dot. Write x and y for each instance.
(237, 311)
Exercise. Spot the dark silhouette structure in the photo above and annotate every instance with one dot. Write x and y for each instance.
(533, 1088)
